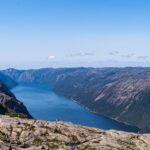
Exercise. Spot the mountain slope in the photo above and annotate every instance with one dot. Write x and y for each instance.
(8, 103)
(121, 94)
(46, 75)
(9, 82)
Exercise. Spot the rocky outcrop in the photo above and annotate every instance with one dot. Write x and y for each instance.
(37, 135)
(9, 105)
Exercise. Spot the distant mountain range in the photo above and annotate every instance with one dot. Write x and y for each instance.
(119, 93)
(9, 105)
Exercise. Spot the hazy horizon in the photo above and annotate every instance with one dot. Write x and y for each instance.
(64, 33)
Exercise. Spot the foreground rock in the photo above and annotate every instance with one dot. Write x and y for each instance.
(36, 135)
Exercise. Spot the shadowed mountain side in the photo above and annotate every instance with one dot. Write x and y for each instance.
(8, 103)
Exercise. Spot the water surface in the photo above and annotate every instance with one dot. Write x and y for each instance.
(44, 104)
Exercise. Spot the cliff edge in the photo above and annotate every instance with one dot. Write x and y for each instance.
(37, 135)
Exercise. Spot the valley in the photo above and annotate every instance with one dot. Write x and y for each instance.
(118, 93)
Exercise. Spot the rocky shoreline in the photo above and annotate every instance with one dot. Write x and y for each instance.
(125, 123)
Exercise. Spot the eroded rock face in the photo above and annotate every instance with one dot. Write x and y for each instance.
(9, 105)
(36, 135)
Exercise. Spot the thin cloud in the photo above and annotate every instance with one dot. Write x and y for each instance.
(80, 54)
(113, 53)
(50, 57)
(128, 56)
(74, 54)
(88, 54)
(143, 57)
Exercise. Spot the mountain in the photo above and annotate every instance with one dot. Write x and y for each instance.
(9, 105)
(43, 135)
(10, 83)
(119, 93)
(46, 75)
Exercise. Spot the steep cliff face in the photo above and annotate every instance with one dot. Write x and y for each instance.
(37, 135)
(122, 94)
(119, 93)
(9, 82)
(8, 103)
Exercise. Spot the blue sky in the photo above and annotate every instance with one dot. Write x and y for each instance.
(59, 33)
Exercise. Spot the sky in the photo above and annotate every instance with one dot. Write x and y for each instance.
(73, 33)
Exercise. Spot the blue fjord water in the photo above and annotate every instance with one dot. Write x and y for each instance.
(43, 103)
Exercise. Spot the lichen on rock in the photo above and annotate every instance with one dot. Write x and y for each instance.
(36, 135)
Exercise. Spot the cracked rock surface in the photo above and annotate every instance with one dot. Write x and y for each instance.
(43, 135)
